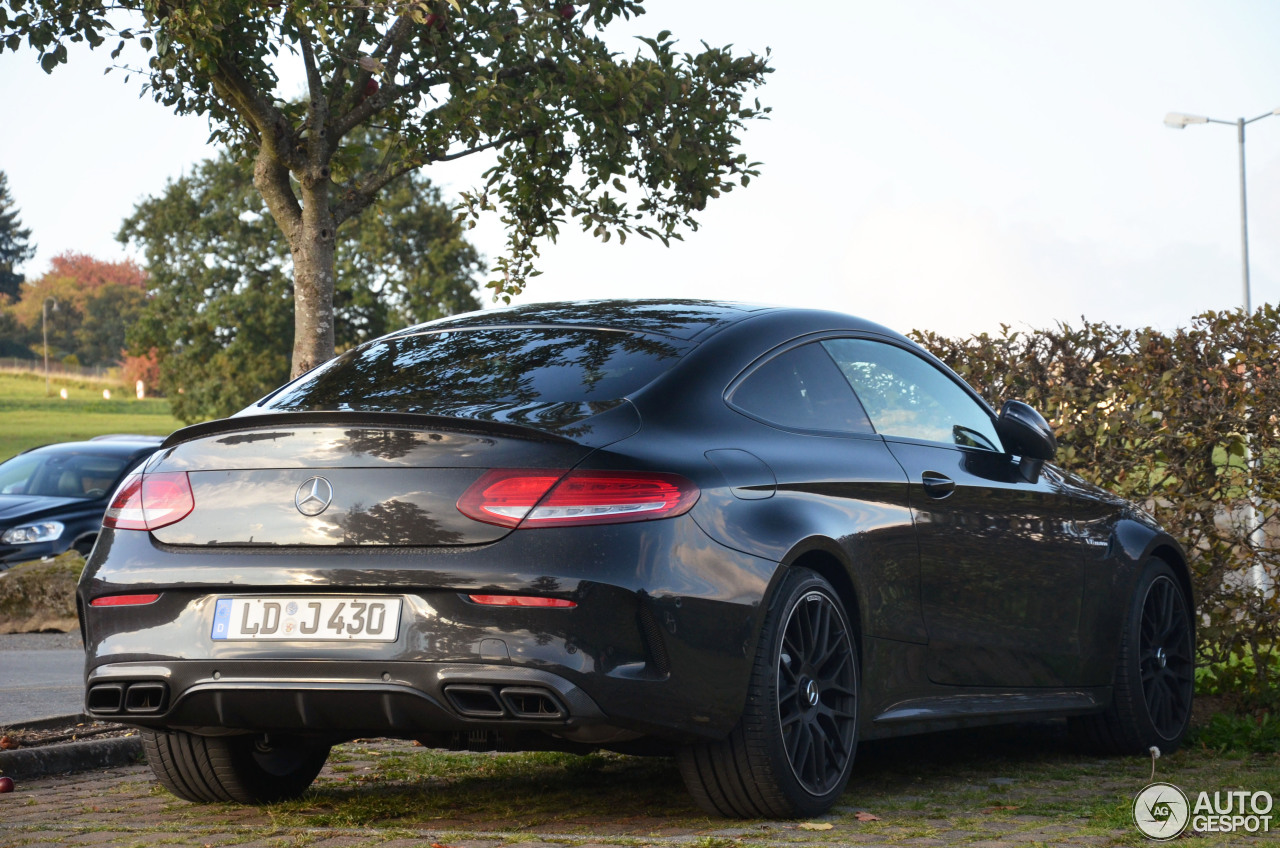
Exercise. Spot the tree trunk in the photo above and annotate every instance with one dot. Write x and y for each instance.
(313, 277)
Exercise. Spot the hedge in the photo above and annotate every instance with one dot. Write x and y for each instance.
(1184, 423)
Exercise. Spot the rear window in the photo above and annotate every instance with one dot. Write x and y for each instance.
(461, 371)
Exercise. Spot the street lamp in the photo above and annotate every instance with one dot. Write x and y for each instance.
(45, 327)
(1178, 121)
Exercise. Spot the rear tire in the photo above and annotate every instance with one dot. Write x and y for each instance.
(240, 769)
(791, 753)
(1154, 675)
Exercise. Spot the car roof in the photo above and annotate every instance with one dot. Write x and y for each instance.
(679, 319)
(128, 437)
(103, 448)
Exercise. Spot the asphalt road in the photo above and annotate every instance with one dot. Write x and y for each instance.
(40, 676)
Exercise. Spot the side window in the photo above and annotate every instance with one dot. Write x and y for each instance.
(802, 388)
(907, 396)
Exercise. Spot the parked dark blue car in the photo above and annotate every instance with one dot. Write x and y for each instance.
(52, 498)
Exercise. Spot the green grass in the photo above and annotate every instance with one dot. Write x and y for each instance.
(1240, 733)
(29, 418)
(1237, 681)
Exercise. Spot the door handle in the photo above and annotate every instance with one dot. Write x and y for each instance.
(937, 486)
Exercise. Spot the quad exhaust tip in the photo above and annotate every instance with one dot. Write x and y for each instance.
(146, 697)
(523, 703)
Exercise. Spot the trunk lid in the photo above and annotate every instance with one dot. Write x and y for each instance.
(336, 479)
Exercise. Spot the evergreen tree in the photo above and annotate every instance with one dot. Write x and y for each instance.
(15, 245)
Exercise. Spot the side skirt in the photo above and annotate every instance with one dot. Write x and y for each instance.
(944, 712)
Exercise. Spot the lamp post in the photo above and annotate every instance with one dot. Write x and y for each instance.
(1178, 121)
(44, 324)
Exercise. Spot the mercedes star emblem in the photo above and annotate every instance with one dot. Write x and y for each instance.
(313, 496)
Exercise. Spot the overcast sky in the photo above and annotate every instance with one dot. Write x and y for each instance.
(937, 165)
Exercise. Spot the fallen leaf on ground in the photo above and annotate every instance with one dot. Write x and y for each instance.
(815, 825)
(7, 742)
(863, 815)
(997, 809)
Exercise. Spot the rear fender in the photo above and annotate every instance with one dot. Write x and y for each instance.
(1110, 580)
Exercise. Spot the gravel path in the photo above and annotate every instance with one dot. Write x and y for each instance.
(40, 641)
(1003, 788)
(41, 675)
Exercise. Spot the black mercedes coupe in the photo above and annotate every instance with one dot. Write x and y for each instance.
(745, 536)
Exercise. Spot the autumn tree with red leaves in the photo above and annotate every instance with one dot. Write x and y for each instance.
(96, 301)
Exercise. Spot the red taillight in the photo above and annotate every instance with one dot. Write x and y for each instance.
(522, 601)
(150, 501)
(123, 600)
(533, 498)
(504, 496)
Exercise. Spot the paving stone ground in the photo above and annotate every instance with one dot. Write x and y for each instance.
(362, 796)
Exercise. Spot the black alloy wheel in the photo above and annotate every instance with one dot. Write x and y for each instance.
(1154, 679)
(817, 693)
(792, 751)
(1167, 667)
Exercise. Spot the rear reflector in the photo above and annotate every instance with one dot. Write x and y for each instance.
(521, 601)
(150, 501)
(534, 498)
(123, 600)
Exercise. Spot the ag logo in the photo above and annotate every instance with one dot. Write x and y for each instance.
(1161, 811)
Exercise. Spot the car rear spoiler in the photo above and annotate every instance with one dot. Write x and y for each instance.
(397, 420)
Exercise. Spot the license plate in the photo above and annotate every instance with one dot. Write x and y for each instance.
(324, 618)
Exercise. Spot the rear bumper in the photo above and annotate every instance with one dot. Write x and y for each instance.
(385, 699)
(659, 643)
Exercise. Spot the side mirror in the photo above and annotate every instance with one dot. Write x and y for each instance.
(1025, 432)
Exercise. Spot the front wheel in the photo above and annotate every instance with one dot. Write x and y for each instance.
(1154, 675)
(244, 769)
(791, 753)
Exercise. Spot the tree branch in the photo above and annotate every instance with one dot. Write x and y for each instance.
(259, 113)
(364, 108)
(271, 179)
(357, 196)
(488, 145)
(394, 33)
(318, 148)
(345, 54)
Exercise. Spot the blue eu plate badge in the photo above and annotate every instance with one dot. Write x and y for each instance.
(221, 618)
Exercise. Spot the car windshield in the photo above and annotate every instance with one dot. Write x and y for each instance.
(61, 475)
(460, 371)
